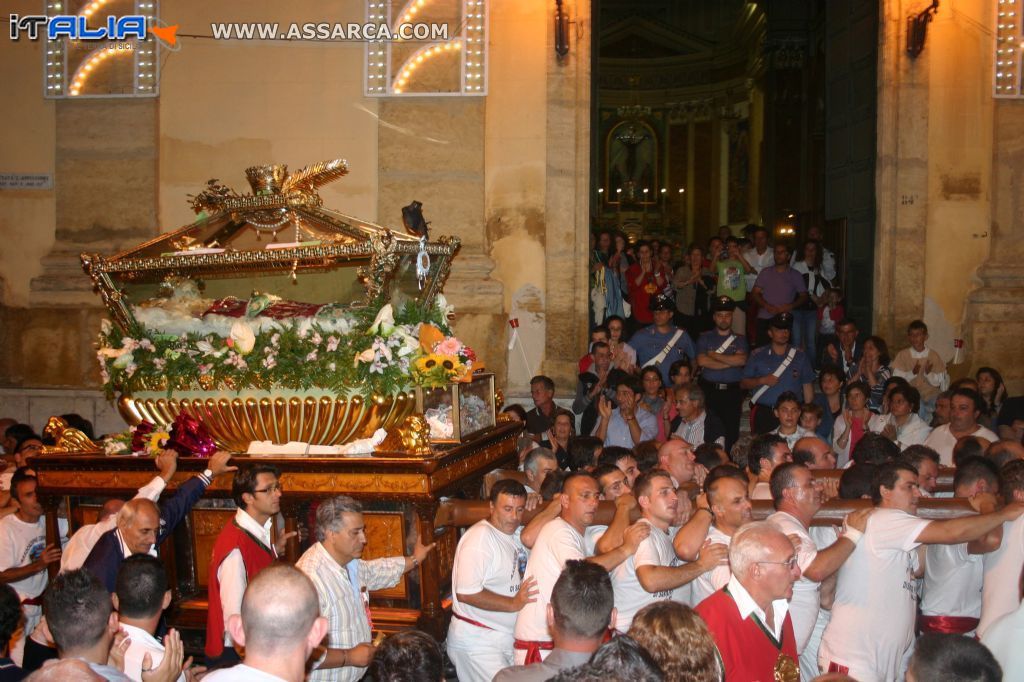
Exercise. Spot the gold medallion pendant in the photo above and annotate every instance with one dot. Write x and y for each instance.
(786, 669)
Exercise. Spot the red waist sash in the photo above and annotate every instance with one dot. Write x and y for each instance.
(948, 625)
(471, 621)
(532, 649)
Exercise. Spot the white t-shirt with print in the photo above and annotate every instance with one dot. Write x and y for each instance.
(20, 544)
(486, 559)
(556, 543)
(872, 624)
(655, 550)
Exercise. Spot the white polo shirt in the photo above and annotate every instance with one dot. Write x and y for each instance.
(486, 559)
(556, 543)
(630, 596)
(718, 577)
(872, 624)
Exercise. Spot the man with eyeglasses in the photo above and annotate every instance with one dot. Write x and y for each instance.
(749, 618)
(797, 497)
(243, 548)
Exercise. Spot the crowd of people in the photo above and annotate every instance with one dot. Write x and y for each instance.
(679, 583)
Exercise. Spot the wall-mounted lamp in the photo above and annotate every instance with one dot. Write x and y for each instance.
(917, 28)
(561, 30)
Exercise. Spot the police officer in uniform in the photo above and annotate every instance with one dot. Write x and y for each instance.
(662, 343)
(721, 355)
(774, 369)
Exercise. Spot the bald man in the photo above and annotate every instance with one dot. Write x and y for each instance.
(279, 626)
(141, 526)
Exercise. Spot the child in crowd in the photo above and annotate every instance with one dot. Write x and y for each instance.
(811, 415)
(828, 316)
(922, 367)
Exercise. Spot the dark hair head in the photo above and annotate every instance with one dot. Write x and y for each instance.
(409, 656)
(581, 451)
(77, 609)
(812, 409)
(909, 393)
(618, 659)
(674, 368)
(707, 455)
(22, 439)
(886, 475)
(541, 379)
(783, 477)
(832, 370)
(651, 370)
(883, 349)
(1012, 478)
(762, 448)
(644, 482)
(855, 483)
(245, 481)
(915, 454)
(516, 409)
(971, 469)
(507, 486)
(10, 615)
(554, 483)
(582, 600)
(786, 397)
(603, 470)
(646, 455)
(970, 394)
(874, 448)
(1001, 452)
(861, 386)
(630, 383)
(599, 329)
(846, 322)
(953, 658)
(967, 447)
(598, 345)
(993, 372)
(612, 454)
(21, 474)
(917, 324)
(19, 432)
(141, 585)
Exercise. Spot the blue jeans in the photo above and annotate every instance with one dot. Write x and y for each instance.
(805, 332)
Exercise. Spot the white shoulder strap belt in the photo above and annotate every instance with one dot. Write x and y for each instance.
(656, 360)
(777, 373)
(725, 346)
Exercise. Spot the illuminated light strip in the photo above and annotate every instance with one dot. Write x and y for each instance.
(418, 57)
(92, 8)
(406, 15)
(86, 68)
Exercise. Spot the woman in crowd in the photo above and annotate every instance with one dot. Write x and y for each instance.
(830, 398)
(874, 370)
(605, 283)
(645, 279)
(902, 425)
(653, 398)
(694, 284)
(993, 393)
(805, 318)
(558, 436)
(623, 354)
(678, 640)
(854, 422)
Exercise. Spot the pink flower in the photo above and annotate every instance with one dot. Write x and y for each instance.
(449, 346)
(311, 357)
(332, 344)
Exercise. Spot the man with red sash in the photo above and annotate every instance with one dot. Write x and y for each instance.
(954, 574)
(242, 550)
(749, 618)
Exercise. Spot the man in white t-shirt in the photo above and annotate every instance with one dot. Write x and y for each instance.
(727, 508)
(487, 587)
(24, 554)
(797, 497)
(953, 574)
(1000, 594)
(141, 596)
(872, 626)
(558, 542)
(279, 626)
(964, 408)
(655, 572)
